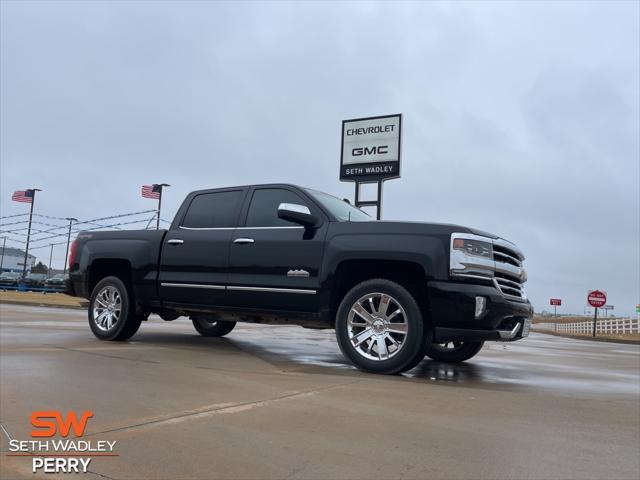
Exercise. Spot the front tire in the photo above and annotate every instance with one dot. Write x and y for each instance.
(453, 352)
(379, 327)
(210, 327)
(112, 312)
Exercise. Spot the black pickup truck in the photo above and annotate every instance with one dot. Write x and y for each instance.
(395, 292)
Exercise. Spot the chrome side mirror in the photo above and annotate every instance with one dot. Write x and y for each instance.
(297, 213)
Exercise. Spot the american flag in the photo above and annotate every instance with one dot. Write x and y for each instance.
(25, 196)
(151, 191)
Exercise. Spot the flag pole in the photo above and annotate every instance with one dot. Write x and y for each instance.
(26, 250)
(159, 205)
(161, 185)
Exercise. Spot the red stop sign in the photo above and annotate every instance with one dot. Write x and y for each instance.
(596, 298)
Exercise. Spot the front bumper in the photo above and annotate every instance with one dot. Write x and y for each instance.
(452, 306)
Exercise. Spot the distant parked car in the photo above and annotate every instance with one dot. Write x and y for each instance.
(34, 280)
(9, 279)
(57, 281)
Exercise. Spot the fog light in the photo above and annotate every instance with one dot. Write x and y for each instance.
(481, 304)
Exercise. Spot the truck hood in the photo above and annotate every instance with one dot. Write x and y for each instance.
(424, 228)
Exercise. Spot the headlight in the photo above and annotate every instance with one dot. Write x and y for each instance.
(471, 256)
(473, 247)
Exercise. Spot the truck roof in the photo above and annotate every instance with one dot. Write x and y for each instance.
(249, 186)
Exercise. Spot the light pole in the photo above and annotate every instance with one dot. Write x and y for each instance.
(66, 256)
(50, 259)
(4, 242)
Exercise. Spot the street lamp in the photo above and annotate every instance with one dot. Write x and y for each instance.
(50, 260)
(4, 243)
(71, 220)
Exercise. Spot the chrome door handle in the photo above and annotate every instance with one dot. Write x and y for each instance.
(243, 241)
(175, 241)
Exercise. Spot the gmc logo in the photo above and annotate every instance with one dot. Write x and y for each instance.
(359, 151)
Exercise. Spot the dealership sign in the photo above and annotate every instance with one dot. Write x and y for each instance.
(555, 301)
(371, 148)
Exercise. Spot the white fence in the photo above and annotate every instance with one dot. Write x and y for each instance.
(618, 326)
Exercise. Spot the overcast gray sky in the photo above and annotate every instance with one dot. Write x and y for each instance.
(519, 118)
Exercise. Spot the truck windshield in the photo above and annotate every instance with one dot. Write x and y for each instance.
(343, 211)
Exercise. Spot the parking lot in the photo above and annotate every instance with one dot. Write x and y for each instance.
(280, 402)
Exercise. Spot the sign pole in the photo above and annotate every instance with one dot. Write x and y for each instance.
(595, 320)
(379, 206)
(555, 311)
(26, 250)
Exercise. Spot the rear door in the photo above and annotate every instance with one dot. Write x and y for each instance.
(274, 264)
(195, 253)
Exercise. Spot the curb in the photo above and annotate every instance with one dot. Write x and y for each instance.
(594, 339)
(82, 306)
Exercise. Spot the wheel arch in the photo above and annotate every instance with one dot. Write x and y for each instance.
(411, 275)
(109, 267)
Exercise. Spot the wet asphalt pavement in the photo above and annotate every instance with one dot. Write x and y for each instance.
(281, 402)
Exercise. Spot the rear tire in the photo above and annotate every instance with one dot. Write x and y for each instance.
(379, 327)
(112, 311)
(210, 327)
(453, 352)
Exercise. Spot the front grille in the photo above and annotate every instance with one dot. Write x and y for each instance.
(506, 255)
(509, 285)
(509, 270)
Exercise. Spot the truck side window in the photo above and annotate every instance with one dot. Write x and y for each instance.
(263, 211)
(213, 210)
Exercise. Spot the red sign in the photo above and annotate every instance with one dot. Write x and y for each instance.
(555, 301)
(596, 298)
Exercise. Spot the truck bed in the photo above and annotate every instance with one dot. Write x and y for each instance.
(140, 248)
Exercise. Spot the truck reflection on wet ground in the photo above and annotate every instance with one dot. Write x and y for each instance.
(540, 362)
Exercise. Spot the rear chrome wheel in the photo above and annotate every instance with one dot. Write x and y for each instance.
(379, 327)
(111, 310)
(107, 308)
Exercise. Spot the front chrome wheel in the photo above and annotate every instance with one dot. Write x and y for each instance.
(107, 308)
(377, 326)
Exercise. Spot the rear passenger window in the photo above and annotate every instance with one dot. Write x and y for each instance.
(263, 211)
(213, 210)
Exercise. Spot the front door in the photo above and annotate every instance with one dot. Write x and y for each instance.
(274, 264)
(195, 255)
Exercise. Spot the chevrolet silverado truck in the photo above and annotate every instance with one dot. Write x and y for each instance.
(394, 292)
